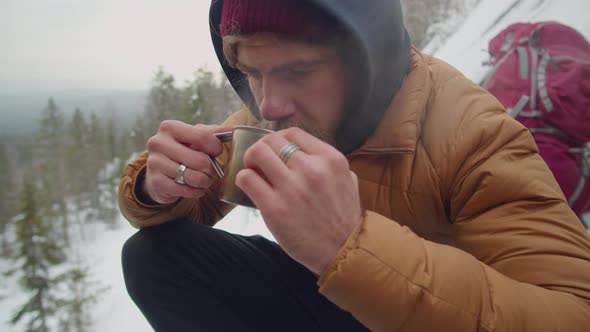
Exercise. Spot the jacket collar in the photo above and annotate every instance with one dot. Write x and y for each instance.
(399, 128)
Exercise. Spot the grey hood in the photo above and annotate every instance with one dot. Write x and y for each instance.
(384, 44)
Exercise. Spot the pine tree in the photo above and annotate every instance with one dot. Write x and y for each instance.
(227, 99)
(7, 188)
(125, 144)
(109, 176)
(37, 254)
(202, 93)
(208, 101)
(84, 293)
(164, 101)
(96, 140)
(110, 139)
(112, 132)
(77, 162)
(96, 145)
(138, 136)
(49, 155)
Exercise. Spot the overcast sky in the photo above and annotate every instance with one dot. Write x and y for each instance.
(73, 44)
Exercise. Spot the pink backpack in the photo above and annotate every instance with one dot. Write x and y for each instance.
(541, 75)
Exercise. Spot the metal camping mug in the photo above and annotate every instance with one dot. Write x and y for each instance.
(242, 138)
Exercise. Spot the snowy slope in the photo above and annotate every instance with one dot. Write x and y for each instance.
(116, 312)
(100, 247)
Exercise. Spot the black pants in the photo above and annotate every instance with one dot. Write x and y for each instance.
(187, 277)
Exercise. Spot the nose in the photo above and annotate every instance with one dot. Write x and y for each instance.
(275, 103)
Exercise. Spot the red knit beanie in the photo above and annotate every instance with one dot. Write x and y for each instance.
(290, 17)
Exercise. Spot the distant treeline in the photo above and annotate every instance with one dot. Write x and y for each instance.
(66, 176)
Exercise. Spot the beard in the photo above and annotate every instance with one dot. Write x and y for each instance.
(323, 135)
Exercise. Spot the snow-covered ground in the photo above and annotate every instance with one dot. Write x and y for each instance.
(116, 312)
(102, 251)
(99, 246)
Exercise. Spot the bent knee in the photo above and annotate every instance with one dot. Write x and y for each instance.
(150, 245)
(133, 259)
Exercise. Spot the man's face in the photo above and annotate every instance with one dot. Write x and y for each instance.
(296, 84)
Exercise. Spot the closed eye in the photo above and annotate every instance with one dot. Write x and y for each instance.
(252, 74)
(295, 73)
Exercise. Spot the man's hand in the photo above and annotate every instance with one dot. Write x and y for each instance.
(179, 143)
(310, 203)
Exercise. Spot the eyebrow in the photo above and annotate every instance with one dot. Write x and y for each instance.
(288, 66)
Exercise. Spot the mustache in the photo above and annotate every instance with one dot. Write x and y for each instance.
(277, 125)
(284, 124)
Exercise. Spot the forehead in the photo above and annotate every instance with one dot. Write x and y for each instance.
(271, 49)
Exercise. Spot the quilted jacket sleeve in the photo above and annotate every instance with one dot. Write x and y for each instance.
(521, 260)
(206, 210)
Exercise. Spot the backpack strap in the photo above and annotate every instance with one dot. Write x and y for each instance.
(524, 62)
(532, 40)
(534, 77)
(550, 131)
(542, 76)
(517, 109)
(571, 58)
(508, 41)
(584, 171)
(545, 99)
(544, 64)
(532, 114)
(486, 79)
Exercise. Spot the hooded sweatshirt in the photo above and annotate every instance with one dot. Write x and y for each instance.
(383, 47)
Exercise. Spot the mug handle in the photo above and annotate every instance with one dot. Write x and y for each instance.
(224, 137)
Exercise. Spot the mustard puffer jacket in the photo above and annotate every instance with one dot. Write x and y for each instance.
(466, 228)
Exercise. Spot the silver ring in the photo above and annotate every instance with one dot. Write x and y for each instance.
(180, 174)
(287, 151)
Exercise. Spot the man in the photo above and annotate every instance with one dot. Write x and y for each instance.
(413, 201)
